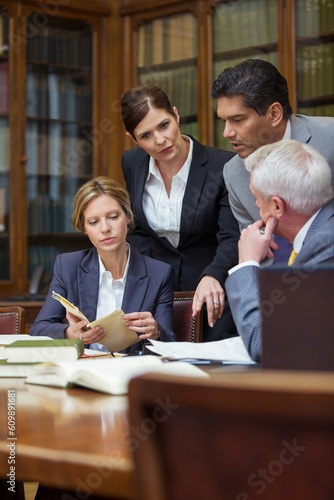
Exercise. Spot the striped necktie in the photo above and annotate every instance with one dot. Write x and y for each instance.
(292, 257)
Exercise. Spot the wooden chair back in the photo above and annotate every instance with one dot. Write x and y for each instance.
(12, 320)
(225, 438)
(186, 328)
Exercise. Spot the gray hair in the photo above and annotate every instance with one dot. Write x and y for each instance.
(294, 171)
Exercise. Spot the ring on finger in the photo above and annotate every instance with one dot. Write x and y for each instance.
(80, 336)
(216, 302)
(148, 329)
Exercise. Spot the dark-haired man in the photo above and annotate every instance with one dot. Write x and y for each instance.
(253, 102)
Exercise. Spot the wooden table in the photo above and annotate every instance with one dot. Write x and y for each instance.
(72, 439)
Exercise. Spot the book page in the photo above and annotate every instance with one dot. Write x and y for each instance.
(118, 335)
(68, 306)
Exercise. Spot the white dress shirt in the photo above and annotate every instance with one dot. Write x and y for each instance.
(110, 294)
(163, 213)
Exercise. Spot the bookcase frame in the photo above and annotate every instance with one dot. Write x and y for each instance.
(95, 15)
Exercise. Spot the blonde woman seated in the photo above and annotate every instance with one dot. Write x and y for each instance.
(111, 275)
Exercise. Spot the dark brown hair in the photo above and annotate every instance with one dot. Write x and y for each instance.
(137, 102)
(258, 82)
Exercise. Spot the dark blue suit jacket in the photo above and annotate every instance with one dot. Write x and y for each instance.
(149, 287)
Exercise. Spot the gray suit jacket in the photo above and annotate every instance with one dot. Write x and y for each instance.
(315, 131)
(242, 285)
(149, 287)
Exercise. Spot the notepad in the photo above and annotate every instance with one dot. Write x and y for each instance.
(111, 376)
(118, 336)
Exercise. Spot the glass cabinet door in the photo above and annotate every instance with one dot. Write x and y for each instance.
(242, 29)
(315, 57)
(58, 134)
(4, 148)
(167, 56)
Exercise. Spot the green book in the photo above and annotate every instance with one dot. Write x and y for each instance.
(42, 351)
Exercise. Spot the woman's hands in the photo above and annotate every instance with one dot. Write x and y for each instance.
(143, 323)
(76, 330)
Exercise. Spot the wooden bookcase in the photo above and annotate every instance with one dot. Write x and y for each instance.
(53, 59)
(183, 46)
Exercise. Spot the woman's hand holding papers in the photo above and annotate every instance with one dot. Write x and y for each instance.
(76, 330)
(143, 323)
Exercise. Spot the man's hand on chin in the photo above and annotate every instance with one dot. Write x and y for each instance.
(256, 241)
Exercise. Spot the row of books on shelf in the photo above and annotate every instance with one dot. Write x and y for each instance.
(42, 256)
(4, 31)
(58, 96)
(58, 149)
(220, 63)
(3, 209)
(244, 23)
(65, 47)
(190, 128)
(322, 110)
(4, 259)
(4, 145)
(314, 16)
(47, 215)
(315, 70)
(4, 94)
(167, 39)
(180, 85)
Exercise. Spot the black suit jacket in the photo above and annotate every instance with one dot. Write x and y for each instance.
(209, 232)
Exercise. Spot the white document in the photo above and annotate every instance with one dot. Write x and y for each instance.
(228, 350)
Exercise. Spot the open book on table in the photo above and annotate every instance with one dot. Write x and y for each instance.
(111, 375)
(118, 335)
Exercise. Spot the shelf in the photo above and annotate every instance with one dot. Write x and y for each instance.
(318, 39)
(316, 101)
(55, 236)
(170, 65)
(62, 68)
(56, 120)
(245, 52)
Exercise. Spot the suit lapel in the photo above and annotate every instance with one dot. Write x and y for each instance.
(196, 180)
(140, 179)
(299, 130)
(88, 285)
(323, 216)
(136, 283)
(141, 175)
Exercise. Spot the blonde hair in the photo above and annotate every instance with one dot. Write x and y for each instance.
(95, 188)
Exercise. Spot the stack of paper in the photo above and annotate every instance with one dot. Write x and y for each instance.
(228, 350)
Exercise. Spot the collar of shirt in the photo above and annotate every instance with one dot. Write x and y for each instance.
(287, 133)
(300, 236)
(102, 269)
(182, 173)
